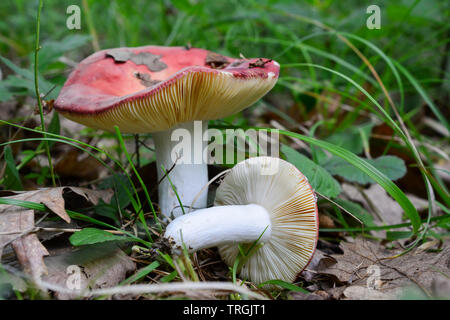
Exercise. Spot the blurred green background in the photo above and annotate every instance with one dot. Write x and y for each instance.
(414, 33)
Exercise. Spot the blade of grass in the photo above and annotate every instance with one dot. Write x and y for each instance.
(422, 93)
(141, 273)
(284, 285)
(12, 179)
(38, 95)
(141, 214)
(174, 189)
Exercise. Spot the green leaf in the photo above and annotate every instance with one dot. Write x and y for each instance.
(122, 190)
(284, 285)
(367, 168)
(5, 94)
(93, 235)
(25, 79)
(142, 273)
(54, 127)
(12, 178)
(393, 167)
(319, 178)
(52, 50)
(445, 223)
(107, 210)
(351, 138)
(397, 235)
(169, 277)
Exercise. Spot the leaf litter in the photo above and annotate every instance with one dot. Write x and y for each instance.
(17, 224)
(368, 270)
(88, 268)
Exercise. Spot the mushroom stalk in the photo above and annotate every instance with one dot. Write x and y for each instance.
(180, 151)
(215, 226)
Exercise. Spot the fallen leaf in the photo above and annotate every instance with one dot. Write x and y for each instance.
(325, 221)
(17, 223)
(427, 245)
(93, 196)
(30, 253)
(216, 61)
(146, 79)
(375, 198)
(441, 287)
(260, 63)
(237, 63)
(305, 296)
(151, 61)
(91, 267)
(368, 264)
(393, 167)
(74, 166)
(364, 293)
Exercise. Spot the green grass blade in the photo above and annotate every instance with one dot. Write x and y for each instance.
(140, 213)
(284, 285)
(422, 93)
(141, 273)
(12, 179)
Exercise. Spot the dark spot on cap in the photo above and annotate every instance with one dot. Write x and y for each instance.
(216, 61)
(151, 61)
(146, 79)
(260, 63)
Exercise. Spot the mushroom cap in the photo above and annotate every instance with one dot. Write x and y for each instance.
(153, 88)
(291, 203)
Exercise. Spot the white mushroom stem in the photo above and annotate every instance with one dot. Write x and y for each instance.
(190, 173)
(206, 228)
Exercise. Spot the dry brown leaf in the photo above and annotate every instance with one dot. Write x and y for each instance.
(325, 221)
(17, 223)
(441, 287)
(364, 293)
(71, 165)
(29, 251)
(101, 271)
(364, 263)
(93, 196)
(375, 198)
(151, 61)
(305, 296)
(216, 61)
(311, 270)
(53, 198)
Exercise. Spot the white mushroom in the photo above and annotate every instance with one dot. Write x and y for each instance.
(261, 199)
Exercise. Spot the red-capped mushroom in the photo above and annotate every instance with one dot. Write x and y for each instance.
(157, 90)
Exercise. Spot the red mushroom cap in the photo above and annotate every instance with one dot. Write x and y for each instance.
(152, 88)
